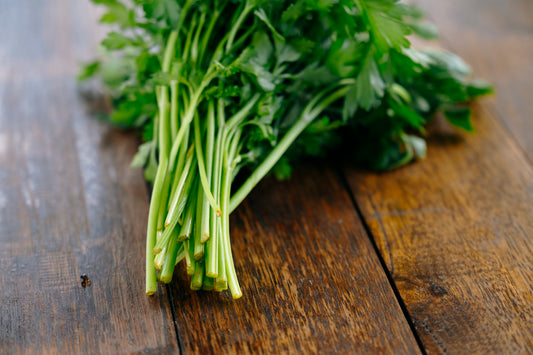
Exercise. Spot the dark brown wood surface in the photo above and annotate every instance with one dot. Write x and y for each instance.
(496, 37)
(70, 205)
(454, 232)
(311, 280)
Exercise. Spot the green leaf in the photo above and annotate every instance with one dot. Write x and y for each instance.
(163, 79)
(282, 170)
(452, 63)
(314, 75)
(479, 88)
(410, 116)
(418, 57)
(143, 153)
(261, 15)
(118, 13)
(294, 11)
(416, 144)
(150, 170)
(368, 89)
(345, 56)
(88, 70)
(289, 54)
(387, 27)
(424, 30)
(115, 41)
(126, 114)
(263, 49)
(460, 117)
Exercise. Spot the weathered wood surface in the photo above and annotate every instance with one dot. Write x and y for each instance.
(456, 230)
(70, 204)
(311, 280)
(496, 37)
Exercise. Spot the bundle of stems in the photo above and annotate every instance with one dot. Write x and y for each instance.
(222, 85)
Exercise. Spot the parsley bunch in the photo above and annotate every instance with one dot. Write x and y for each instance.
(223, 86)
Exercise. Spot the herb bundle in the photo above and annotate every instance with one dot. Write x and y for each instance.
(220, 87)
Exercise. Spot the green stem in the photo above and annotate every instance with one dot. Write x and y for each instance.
(187, 170)
(169, 51)
(221, 282)
(237, 24)
(194, 47)
(201, 166)
(174, 108)
(210, 142)
(180, 167)
(233, 282)
(151, 280)
(198, 245)
(237, 118)
(198, 277)
(188, 116)
(308, 115)
(209, 283)
(212, 247)
(186, 227)
(188, 40)
(207, 36)
(160, 258)
(189, 258)
(168, 267)
(174, 215)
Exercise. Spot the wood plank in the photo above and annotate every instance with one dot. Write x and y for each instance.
(311, 280)
(70, 203)
(496, 37)
(456, 229)
(456, 233)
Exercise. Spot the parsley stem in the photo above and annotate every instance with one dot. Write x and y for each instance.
(173, 250)
(237, 24)
(208, 222)
(198, 245)
(188, 116)
(221, 282)
(189, 259)
(188, 40)
(186, 226)
(184, 175)
(207, 36)
(180, 167)
(198, 277)
(151, 280)
(209, 148)
(169, 51)
(308, 115)
(174, 108)
(201, 166)
(194, 46)
(229, 155)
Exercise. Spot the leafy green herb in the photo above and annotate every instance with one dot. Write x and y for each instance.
(220, 87)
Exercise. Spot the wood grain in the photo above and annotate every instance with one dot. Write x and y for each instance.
(70, 204)
(311, 280)
(456, 230)
(496, 38)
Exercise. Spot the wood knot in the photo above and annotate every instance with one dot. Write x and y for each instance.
(85, 282)
(436, 289)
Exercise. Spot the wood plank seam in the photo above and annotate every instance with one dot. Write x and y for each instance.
(409, 319)
(174, 319)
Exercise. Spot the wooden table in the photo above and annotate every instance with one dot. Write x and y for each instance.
(435, 257)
